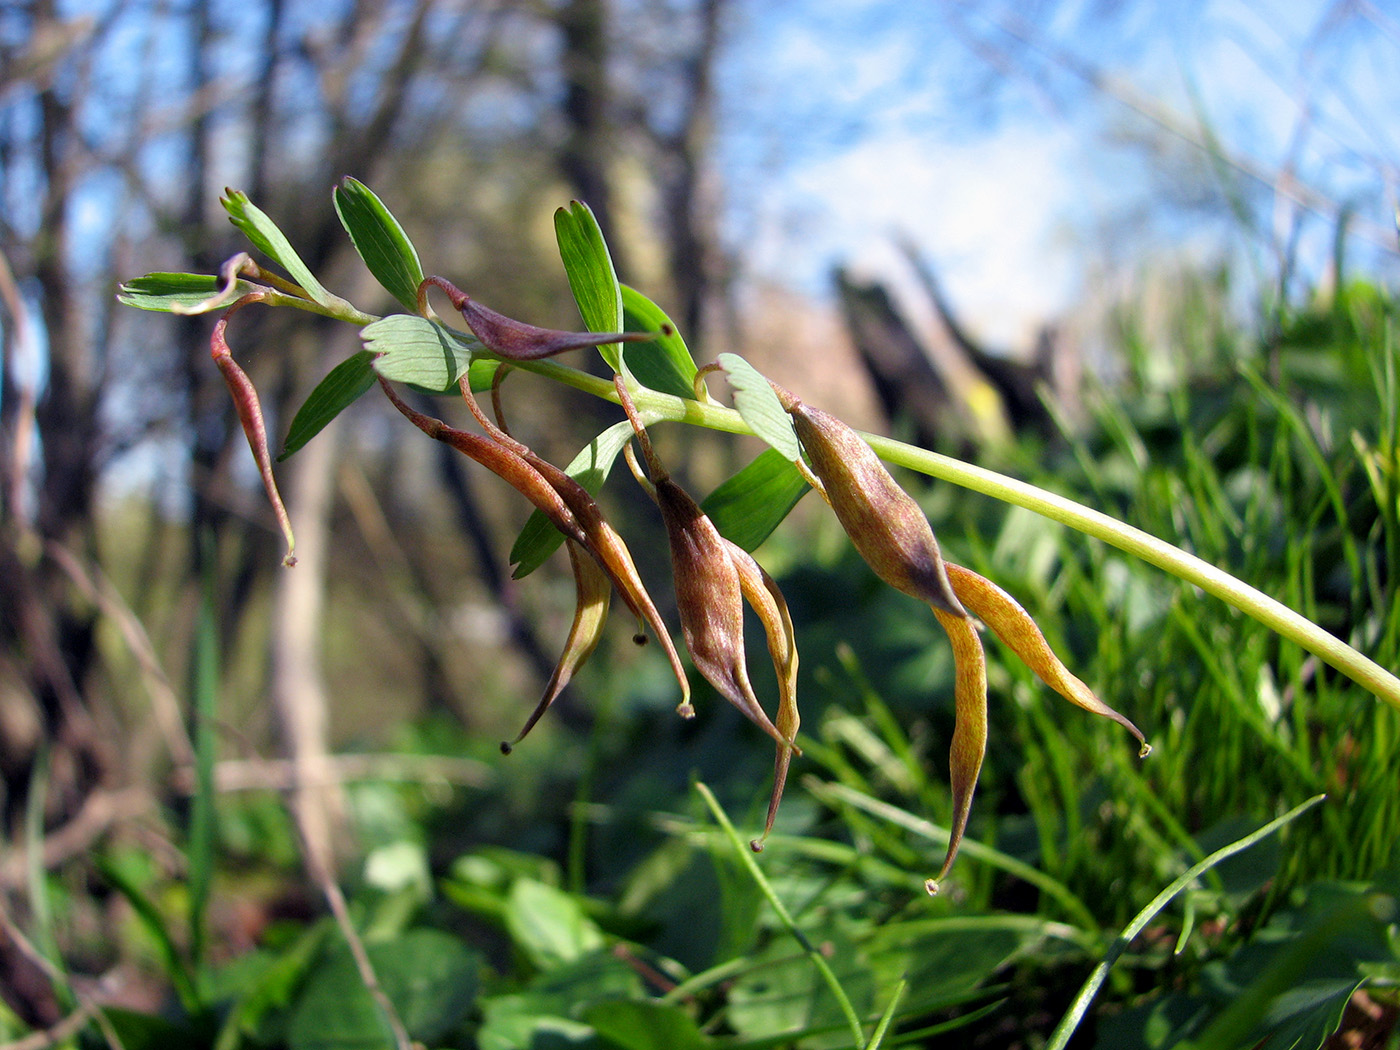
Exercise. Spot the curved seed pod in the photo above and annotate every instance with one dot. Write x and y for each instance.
(710, 588)
(709, 596)
(883, 521)
(249, 409)
(504, 462)
(762, 594)
(603, 542)
(1014, 626)
(515, 340)
(594, 590)
(969, 728)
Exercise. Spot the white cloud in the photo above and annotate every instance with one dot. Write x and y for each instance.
(985, 213)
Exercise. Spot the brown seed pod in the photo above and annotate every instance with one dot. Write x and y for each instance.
(883, 521)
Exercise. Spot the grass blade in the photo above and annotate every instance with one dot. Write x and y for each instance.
(784, 916)
(1065, 1030)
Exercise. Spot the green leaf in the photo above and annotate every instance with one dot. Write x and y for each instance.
(259, 1012)
(157, 926)
(429, 976)
(782, 992)
(380, 240)
(166, 292)
(631, 1025)
(759, 406)
(513, 1022)
(342, 386)
(751, 504)
(664, 363)
(543, 1016)
(412, 349)
(591, 275)
(273, 243)
(549, 925)
(590, 468)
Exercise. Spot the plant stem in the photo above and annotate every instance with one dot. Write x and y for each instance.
(811, 951)
(1211, 579)
(1080, 1005)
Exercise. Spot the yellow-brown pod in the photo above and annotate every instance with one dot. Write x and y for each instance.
(885, 524)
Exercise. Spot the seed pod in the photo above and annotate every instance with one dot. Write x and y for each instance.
(504, 462)
(883, 521)
(603, 542)
(969, 728)
(594, 589)
(712, 579)
(709, 596)
(515, 340)
(762, 594)
(249, 409)
(1014, 626)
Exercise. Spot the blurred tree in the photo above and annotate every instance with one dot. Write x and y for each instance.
(116, 131)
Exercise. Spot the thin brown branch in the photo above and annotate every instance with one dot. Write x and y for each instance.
(88, 1009)
(1168, 120)
(165, 705)
(277, 774)
(99, 812)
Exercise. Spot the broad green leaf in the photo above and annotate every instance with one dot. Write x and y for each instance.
(167, 291)
(513, 1022)
(262, 1005)
(632, 1025)
(590, 468)
(548, 925)
(751, 504)
(946, 960)
(544, 1015)
(380, 240)
(342, 386)
(412, 349)
(273, 243)
(759, 406)
(429, 976)
(664, 363)
(591, 275)
(782, 991)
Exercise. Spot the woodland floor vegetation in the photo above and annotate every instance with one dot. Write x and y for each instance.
(595, 889)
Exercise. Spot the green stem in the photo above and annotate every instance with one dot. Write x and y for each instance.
(1268, 611)
(1065, 1029)
(812, 952)
(1215, 581)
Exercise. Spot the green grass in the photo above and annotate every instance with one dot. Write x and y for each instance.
(597, 893)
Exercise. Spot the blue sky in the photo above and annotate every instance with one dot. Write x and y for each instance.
(850, 121)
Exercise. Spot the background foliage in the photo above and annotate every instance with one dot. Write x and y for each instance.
(165, 687)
